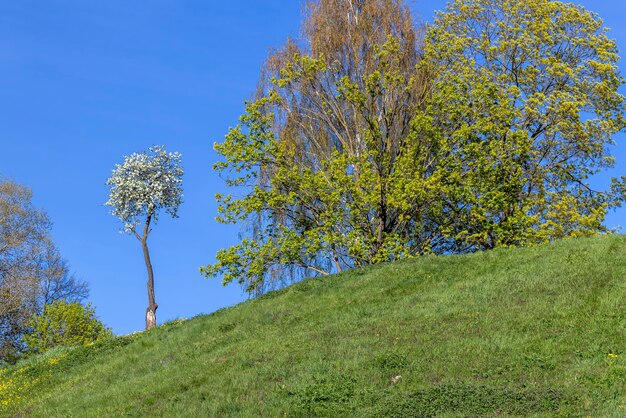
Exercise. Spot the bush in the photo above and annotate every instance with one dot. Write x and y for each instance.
(64, 324)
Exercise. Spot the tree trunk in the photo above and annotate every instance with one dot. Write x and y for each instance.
(152, 305)
(382, 225)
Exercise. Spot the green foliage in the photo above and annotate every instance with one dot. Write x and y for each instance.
(320, 152)
(64, 324)
(485, 136)
(530, 332)
(524, 105)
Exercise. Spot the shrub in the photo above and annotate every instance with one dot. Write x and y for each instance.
(64, 324)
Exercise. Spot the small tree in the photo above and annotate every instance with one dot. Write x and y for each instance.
(143, 185)
(64, 324)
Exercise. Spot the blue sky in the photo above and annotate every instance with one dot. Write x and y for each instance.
(83, 83)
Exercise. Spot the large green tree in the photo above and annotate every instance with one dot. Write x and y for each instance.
(321, 148)
(366, 145)
(524, 107)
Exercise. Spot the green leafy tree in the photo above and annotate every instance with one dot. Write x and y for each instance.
(64, 324)
(524, 107)
(366, 146)
(145, 184)
(322, 152)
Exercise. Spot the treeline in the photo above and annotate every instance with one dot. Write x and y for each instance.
(373, 138)
(40, 300)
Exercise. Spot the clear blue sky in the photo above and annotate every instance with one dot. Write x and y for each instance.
(83, 83)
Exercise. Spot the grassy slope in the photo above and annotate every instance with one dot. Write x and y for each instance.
(538, 331)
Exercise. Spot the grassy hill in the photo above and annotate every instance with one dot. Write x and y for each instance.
(528, 332)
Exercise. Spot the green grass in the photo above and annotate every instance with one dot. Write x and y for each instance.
(522, 332)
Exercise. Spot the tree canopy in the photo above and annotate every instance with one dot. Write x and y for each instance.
(145, 184)
(322, 144)
(373, 138)
(524, 106)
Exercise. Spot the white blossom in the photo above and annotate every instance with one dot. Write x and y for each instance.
(144, 184)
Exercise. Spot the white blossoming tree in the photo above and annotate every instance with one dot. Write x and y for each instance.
(142, 186)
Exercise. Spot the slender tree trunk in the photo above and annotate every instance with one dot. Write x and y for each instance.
(336, 260)
(152, 305)
(382, 224)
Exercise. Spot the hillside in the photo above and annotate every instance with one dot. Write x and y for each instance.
(529, 332)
